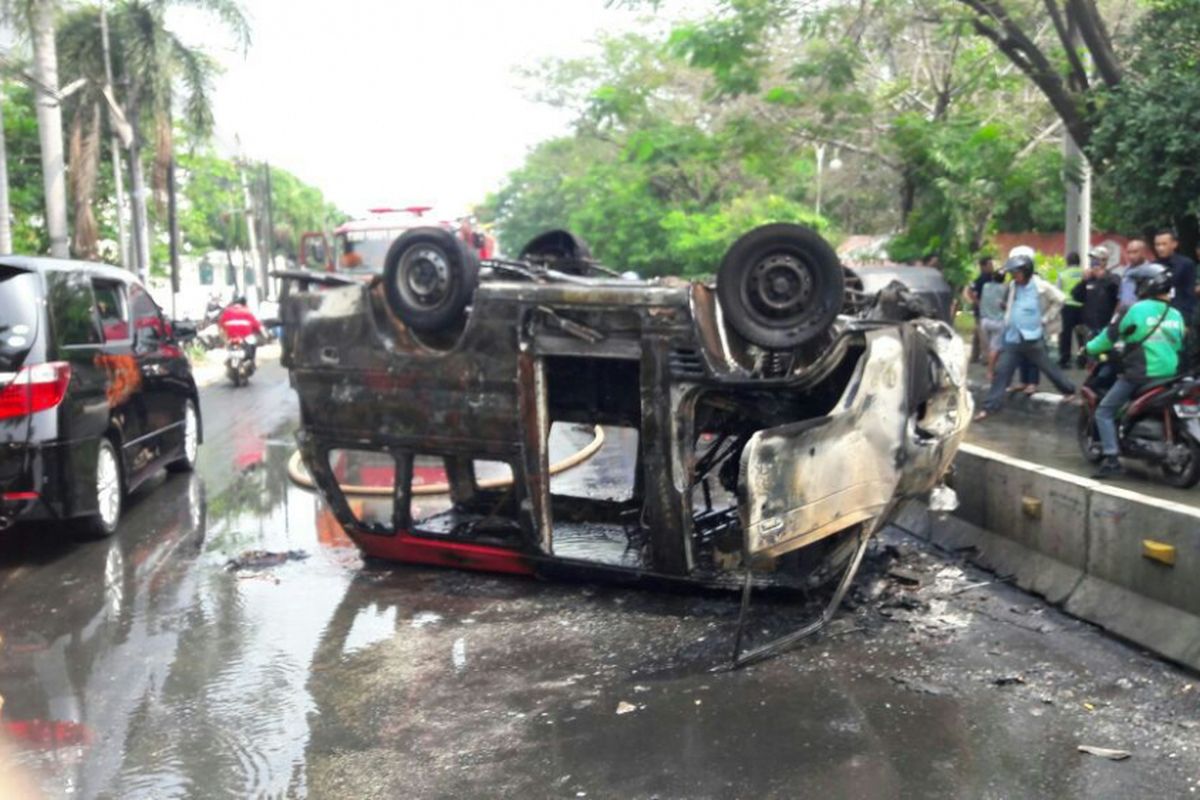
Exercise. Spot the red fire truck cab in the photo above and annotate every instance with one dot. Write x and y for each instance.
(360, 245)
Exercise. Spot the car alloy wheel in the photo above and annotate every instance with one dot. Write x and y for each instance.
(191, 434)
(108, 485)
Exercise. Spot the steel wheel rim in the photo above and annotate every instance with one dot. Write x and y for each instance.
(190, 439)
(780, 290)
(108, 487)
(424, 278)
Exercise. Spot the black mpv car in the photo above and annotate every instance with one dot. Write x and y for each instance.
(95, 392)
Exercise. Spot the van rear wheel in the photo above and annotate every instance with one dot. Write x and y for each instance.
(429, 277)
(191, 440)
(110, 493)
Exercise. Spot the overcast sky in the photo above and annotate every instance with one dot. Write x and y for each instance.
(397, 103)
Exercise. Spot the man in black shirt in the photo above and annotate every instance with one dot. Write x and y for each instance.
(1183, 272)
(971, 294)
(1183, 279)
(1098, 292)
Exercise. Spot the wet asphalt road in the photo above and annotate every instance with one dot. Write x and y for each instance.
(141, 666)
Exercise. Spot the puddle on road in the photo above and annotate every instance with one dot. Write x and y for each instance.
(191, 676)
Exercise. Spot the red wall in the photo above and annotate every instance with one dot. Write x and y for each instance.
(1050, 243)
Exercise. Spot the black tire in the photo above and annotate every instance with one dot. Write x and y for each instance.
(103, 523)
(187, 462)
(780, 286)
(1089, 441)
(558, 249)
(429, 277)
(1188, 475)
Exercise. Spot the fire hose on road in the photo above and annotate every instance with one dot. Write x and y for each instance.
(300, 476)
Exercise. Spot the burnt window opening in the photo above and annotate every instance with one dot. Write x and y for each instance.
(595, 493)
(367, 479)
(596, 505)
(458, 497)
(593, 390)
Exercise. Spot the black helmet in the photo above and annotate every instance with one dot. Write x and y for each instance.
(1151, 280)
(239, 300)
(1020, 263)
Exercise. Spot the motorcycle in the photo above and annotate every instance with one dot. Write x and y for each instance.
(1160, 426)
(239, 361)
(209, 336)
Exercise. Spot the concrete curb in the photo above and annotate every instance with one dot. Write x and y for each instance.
(1078, 543)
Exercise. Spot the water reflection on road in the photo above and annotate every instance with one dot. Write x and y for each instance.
(177, 672)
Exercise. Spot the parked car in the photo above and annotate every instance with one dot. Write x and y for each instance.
(95, 393)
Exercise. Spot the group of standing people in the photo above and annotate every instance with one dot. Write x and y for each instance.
(1142, 308)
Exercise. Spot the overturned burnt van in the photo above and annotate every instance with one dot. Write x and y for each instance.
(546, 415)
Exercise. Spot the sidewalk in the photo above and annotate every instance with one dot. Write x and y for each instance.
(210, 368)
(1046, 394)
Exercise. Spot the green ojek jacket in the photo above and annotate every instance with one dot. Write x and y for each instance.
(1150, 353)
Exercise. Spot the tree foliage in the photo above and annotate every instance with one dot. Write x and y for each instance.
(890, 116)
(1145, 139)
(212, 213)
(26, 195)
(663, 170)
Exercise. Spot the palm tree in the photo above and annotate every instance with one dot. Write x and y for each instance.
(154, 69)
(36, 18)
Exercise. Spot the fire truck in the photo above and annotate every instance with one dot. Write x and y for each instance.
(360, 245)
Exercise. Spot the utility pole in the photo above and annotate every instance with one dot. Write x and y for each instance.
(251, 234)
(118, 178)
(270, 233)
(173, 230)
(1078, 181)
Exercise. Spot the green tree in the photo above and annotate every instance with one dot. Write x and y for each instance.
(884, 116)
(34, 20)
(26, 190)
(1145, 139)
(297, 208)
(212, 213)
(156, 71)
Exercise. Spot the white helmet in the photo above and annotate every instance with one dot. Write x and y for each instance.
(1022, 250)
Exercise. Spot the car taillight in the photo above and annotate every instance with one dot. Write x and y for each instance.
(35, 388)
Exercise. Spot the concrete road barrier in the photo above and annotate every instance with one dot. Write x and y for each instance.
(1122, 560)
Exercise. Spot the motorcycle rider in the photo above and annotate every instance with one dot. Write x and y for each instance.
(238, 322)
(1150, 339)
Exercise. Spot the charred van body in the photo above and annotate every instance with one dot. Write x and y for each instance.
(546, 415)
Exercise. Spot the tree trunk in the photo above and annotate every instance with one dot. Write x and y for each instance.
(908, 195)
(173, 230)
(137, 204)
(6, 243)
(118, 174)
(49, 118)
